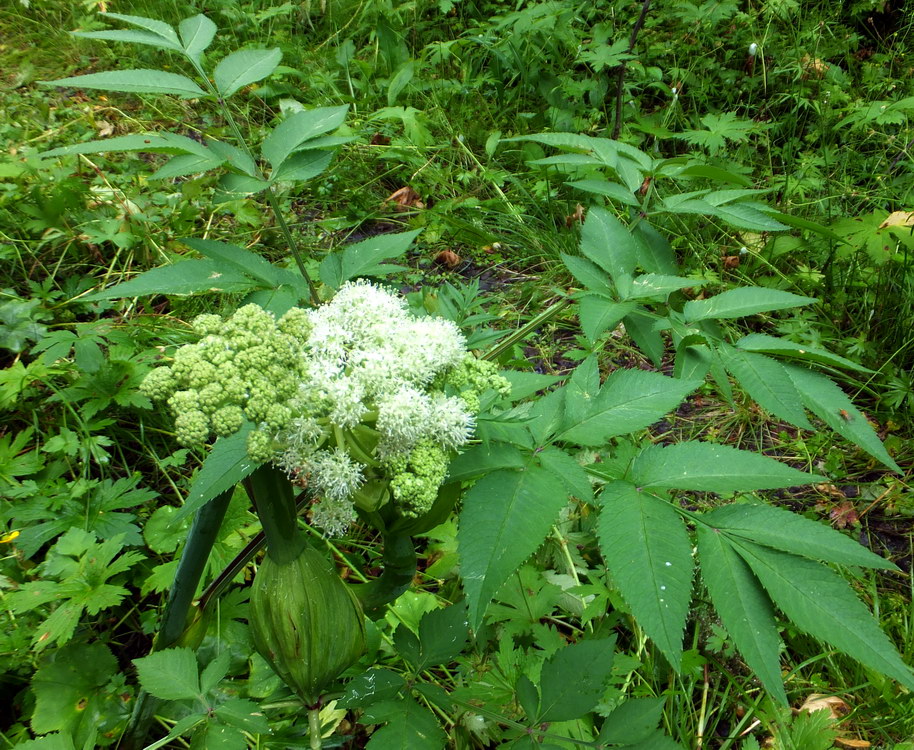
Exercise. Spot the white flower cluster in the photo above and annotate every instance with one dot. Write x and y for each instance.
(369, 369)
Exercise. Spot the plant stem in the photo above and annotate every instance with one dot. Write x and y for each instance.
(620, 75)
(197, 548)
(525, 330)
(271, 492)
(399, 569)
(314, 728)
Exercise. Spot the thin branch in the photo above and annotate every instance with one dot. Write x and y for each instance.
(620, 75)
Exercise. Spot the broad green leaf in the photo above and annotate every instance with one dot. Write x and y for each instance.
(184, 277)
(525, 384)
(364, 258)
(610, 189)
(214, 672)
(588, 273)
(159, 28)
(295, 130)
(789, 532)
(244, 715)
(280, 299)
(197, 33)
(609, 244)
(767, 382)
(442, 635)
(653, 285)
(744, 608)
(647, 550)
(132, 36)
(226, 464)
(156, 143)
(583, 386)
(71, 693)
(483, 459)
(641, 328)
(657, 741)
(243, 260)
(573, 679)
(215, 736)
(655, 254)
(139, 81)
(716, 174)
(569, 472)
(170, 674)
(746, 300)
(599, 314)
(633, 721)
(240, 160)
(408, 726)
(707, 467)
(185, 164)
(819, 601)
(761, 342)
(747, 217)
(546, 416)
(629, 400)
(243, 68)
(234, 186)
(828, 402)
(372, 686)
(505, 517)
(303, 165)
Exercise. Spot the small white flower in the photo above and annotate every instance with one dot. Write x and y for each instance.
(334, 474)
(451, 424)
(404, 417)
(333, 516)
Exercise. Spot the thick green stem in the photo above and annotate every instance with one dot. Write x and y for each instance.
(200, 540)
(314, 728)
(399, 569)
(274, 500)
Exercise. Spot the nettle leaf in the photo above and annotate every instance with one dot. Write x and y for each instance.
(767, 382)
(775, 527)
(588, 273)
(573, 679)
(828, 402)
(245, 261)
(505, 517)
(646, 547)
(243, 68)
(569, 472)
(197, 33)
(226, 465)
(746, 300)
(633, 721)
(761, 342)
(139, 81)
(819, 601)
(629, 400)
(184, 277)
(609, 244)
(655, 254)
(294, 132)
(707, 467)
(744, 608)
(171, 674)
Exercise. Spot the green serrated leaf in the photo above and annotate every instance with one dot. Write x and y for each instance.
(744, 608)
(819, 601)
(641, 328)
(746, 300)
(609, 244)
(633, 721)
(152, 25)
(170, 674)
(767, 382)
(828, 402)
(132, 36)
(647, 550)
(243, 68)
(573, 679)
(707, 467)
(225, 466)
(654, 285)
(302, 165)
(569, 472)
(588, 273)
(363, 258)
(484, 459)
(409, 727)
(186, 164)
(299, 128)
(372, 686)
(629, 400)
(655, 254)
(599, 314)
(505, 517)
(248, 263)
(244, 715)
(197, 33)
(215, 671)
(612, 190)
(761, 342)
(185, 277)
(778, 528)
(442, 635)
(139, 81)
(155, 143)
(748, 217)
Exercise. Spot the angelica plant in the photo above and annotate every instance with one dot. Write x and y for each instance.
(357, 399)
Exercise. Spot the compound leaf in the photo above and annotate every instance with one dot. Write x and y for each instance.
(171, 674)
(768, 383)
(243, 68)
(746, 300)
(138, 81)
(573, 679)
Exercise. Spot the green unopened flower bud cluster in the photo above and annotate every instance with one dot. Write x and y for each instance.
(358, 398)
